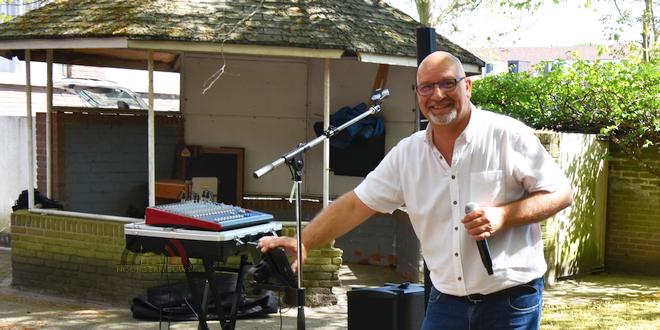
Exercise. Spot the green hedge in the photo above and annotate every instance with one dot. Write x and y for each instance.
(620, 100)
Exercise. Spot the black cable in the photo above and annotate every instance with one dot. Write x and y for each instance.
(164, 268)
(279, 298)
(191, 308)
(160, 308)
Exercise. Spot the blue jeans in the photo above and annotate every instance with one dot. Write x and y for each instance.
(518, 309)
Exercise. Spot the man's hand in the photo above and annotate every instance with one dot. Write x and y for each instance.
(538, 206)
(289, 244)
(484, 222)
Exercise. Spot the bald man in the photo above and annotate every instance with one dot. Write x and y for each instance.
(465, 155)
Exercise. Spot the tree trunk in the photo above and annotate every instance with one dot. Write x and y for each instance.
(646, 30)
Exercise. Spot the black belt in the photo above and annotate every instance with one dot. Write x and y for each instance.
(519, 289)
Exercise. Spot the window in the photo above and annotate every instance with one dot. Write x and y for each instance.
(518, 66)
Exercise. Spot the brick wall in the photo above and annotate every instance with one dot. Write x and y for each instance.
(81, 258)
(320, 272)
(40, 153)
(382, 240)
(84, 257)
(100, 161)
(633, 220)
(83, 71)
(373, 242)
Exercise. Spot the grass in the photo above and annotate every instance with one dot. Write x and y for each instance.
(606, 301)
(624, 314)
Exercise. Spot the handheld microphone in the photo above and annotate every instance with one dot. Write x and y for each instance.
(482, 245)
(379, 95)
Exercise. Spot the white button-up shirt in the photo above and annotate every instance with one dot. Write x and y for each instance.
(496, 160)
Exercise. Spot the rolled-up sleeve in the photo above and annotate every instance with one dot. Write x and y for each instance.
(381, 189)
(534, 168)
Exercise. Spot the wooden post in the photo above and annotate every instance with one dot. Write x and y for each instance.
(49, 120)
(151, 134)
(326, 124)
(29, 130)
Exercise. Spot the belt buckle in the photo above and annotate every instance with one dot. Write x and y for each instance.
(475, 298)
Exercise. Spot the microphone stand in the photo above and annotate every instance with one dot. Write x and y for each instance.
(295, 162)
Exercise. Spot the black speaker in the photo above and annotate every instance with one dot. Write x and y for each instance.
(393, 306)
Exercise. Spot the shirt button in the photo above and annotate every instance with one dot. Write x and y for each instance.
(456, 254)
(455, 228)
(454, 202)
(460, 278)
(453, 177)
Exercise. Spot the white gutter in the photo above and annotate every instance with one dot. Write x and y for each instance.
(388, 59)
(211, 47)
(116, 42)
(406, 61)
(471, 69)
(169, 46)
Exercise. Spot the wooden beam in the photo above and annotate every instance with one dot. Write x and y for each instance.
(381, 79)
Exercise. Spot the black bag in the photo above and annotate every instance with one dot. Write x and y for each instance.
(39, 200)
(173, 302)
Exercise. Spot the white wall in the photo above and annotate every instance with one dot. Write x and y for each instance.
(13, 72)
(13, 164)
(268, 106)
(350, 84)
(257, 104)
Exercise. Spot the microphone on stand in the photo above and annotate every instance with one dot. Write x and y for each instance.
(379, 95)
(482, 246)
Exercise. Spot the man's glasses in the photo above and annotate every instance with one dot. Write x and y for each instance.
(446, 85)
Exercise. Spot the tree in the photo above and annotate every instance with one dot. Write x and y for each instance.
(20, 7)
(435, 12)
(630, 14)
(446, 9)
(636, 14)
(448, 16)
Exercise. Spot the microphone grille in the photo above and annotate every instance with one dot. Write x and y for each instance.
(471, 206)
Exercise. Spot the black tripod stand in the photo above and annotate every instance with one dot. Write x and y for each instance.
(295, 162)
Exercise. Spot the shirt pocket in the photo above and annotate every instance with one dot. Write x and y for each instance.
(487, 188)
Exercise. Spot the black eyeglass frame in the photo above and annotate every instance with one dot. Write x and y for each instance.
(433, 85)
